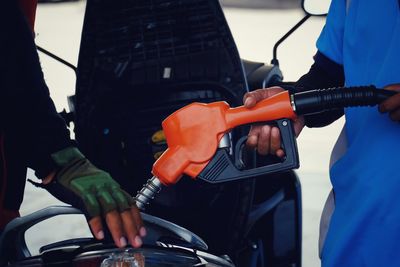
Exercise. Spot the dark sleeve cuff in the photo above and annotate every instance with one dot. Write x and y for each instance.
(45, 167)
(324, 73)
(45, 164)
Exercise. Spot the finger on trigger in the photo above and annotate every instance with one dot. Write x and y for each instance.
(252, 137)
(264, 140)
(275, 140)
(280, 153)
(252, 141)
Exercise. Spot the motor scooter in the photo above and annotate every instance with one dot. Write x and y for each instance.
(163, 56)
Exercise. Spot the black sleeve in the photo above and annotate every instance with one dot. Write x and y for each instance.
(324, 73)
(25, 103)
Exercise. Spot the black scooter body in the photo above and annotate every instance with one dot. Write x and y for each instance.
(140, 61)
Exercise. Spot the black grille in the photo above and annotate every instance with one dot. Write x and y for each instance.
(140, 60)
(161, 30)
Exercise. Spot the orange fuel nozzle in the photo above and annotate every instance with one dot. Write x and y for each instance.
(193, 133)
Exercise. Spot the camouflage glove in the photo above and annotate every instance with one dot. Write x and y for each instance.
(86, 187)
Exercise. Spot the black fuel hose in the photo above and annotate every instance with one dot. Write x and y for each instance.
(319, 100)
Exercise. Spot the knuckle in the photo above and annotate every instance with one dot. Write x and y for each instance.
(252, 140)
(265, 129)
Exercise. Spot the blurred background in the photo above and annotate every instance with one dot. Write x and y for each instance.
(256, 25)
(272, 4)
(268, 4)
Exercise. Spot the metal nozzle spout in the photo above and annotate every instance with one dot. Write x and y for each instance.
(147, 193)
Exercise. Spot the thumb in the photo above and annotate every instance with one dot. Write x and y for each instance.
(393, 87)
(250, 99)
(392, 102)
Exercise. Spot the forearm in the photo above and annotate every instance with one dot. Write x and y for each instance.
(324, 73)
(26, 105)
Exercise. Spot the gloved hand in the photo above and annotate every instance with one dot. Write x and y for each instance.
(266, 138)
(79, 183)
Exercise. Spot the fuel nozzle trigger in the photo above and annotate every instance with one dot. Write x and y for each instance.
(224, 167)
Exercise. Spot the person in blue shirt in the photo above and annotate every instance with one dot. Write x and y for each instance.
(359, 45)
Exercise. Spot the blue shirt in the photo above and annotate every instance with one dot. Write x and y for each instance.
(364, 36)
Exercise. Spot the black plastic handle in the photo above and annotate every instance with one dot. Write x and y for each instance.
(222, 168)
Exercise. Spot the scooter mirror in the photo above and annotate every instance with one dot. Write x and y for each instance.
(316, 7)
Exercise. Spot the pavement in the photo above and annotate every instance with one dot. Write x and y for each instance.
(58, 29)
